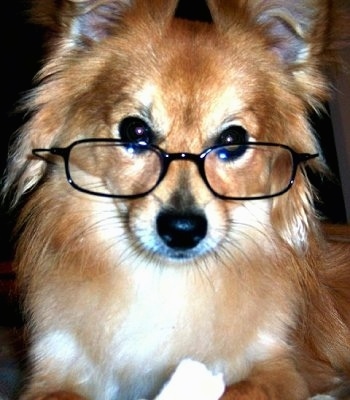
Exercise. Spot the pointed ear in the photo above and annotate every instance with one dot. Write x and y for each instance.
(83, 22)
(304, 34)
(224, 12)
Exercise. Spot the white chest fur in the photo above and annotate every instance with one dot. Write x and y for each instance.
(117, 348)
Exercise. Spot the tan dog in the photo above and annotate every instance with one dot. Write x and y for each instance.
(188, 228)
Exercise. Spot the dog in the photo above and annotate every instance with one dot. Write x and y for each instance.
(166, 212)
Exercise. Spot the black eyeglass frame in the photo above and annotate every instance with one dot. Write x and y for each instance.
(166, 159)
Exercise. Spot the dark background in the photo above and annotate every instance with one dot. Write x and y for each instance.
(22, 53)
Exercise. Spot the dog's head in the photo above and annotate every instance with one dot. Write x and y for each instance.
(129, 70)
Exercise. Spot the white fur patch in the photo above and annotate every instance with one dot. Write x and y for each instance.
(49, 344)
(62, 355)
(146, 95)
(266, 343)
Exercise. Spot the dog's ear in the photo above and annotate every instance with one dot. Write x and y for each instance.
(71, 25)
(81, 22)
(305, 36)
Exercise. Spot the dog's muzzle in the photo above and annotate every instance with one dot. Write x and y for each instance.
(181, 231)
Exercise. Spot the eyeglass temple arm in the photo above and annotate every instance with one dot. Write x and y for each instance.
(303, 157)
(40, 153)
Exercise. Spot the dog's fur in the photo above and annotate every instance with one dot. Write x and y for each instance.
(263, 298)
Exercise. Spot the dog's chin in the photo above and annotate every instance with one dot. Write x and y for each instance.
(161, 251)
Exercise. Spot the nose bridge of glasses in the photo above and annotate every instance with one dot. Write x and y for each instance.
(196, 159)
(183, 156)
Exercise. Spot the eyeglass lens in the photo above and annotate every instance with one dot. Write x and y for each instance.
(249, 170)
(109, 168)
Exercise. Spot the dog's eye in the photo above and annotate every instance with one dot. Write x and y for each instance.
(234, 134)
(134, 129)
(233, 138)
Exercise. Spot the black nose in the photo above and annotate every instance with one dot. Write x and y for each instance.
(181, 230)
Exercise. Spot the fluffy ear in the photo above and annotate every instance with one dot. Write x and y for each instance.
(81, 22)
(305, 35)
(73, 25)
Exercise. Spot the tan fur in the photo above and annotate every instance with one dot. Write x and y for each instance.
(267, 302)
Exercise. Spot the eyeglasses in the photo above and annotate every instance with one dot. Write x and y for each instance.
(117, 169)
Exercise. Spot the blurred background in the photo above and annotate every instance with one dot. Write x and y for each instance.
(22, 52)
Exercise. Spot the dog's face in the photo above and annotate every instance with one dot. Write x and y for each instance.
(185, 103)
(184, 87)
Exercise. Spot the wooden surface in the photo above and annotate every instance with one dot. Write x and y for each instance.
(337, 232)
